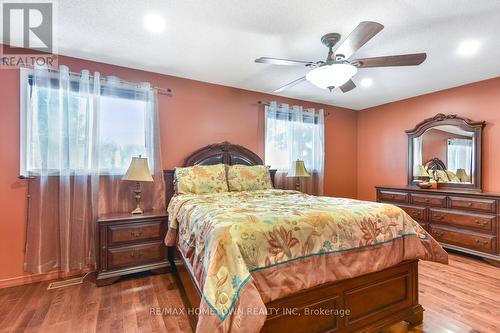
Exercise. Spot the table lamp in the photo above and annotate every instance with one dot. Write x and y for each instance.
(138, 171)
(298, 170)
(462, 175)
(421, 174)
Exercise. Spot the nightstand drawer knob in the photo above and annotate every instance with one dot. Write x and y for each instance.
(136, 234)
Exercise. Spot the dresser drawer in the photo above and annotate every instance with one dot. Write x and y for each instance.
(393, 196)
(417, 213)
(134, 232)
(134, 255)
(485, 243)
(428, 200)
(484, 205)
(480, 222)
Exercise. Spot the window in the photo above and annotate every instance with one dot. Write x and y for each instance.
(72, 124)
(294, 133)
(459, 155)
(122, 131)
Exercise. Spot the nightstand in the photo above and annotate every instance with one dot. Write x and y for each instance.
(129, 243)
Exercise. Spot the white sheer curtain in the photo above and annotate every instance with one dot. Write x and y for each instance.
(460, 155)
(295, 133)
(61, 157)
(78, 141)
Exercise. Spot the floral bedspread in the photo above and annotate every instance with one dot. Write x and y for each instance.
(236, 233)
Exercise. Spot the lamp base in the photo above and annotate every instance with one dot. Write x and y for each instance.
(137, 210)
(297, 184)
(137, 191)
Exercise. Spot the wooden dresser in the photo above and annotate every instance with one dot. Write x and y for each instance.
(129, 243)
(459, 220)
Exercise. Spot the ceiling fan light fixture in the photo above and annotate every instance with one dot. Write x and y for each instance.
(332, 75)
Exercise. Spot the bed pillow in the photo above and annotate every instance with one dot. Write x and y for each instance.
(201, 179)
(441, 176)
(452, 176)
(248, 178)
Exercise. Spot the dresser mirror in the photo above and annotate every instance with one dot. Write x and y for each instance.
(447, 149)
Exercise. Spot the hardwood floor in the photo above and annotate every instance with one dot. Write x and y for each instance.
(461, 297)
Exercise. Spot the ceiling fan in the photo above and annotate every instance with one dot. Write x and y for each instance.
(338, 68)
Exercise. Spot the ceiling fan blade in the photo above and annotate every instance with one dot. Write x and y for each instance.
(291, 84)
(365, 31)
(348, 86)
(397, 60)
(285, 62)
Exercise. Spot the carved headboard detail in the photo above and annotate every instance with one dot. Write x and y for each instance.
(435, 164)
(224, 152)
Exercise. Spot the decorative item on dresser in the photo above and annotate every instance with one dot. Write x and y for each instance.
(460, 220)
(131, 243)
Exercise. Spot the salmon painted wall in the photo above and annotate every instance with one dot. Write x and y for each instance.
(382, 142)
(196, 114)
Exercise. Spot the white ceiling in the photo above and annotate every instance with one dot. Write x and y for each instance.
(217, 41)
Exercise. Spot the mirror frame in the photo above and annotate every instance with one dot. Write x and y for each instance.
(464, 123)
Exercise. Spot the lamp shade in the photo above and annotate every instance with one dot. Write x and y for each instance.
(419, 171)
(462, 175)
(331, 76)
(298, 170)
(138, 170)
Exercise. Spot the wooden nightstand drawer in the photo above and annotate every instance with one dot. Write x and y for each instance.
(131, 243)
(134, 232)
(135, 255)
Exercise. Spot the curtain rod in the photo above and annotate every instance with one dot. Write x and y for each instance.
(163, 91)
(280, 104)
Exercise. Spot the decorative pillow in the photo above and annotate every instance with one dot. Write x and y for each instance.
(200, 179)
(441, 176)
(452, 176)
(248, 178)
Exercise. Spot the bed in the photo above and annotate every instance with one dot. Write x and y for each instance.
(348, 289)
(438, 171)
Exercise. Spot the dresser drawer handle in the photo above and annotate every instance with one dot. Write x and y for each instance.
(136, 254)
(439, 234)
(438, 217)
(469, 204)
(484, 242)
(481, 223)
(136, 234)
(427, 200)
(393, 196)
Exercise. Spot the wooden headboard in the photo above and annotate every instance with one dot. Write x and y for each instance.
(435, 164)
(224, 152)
